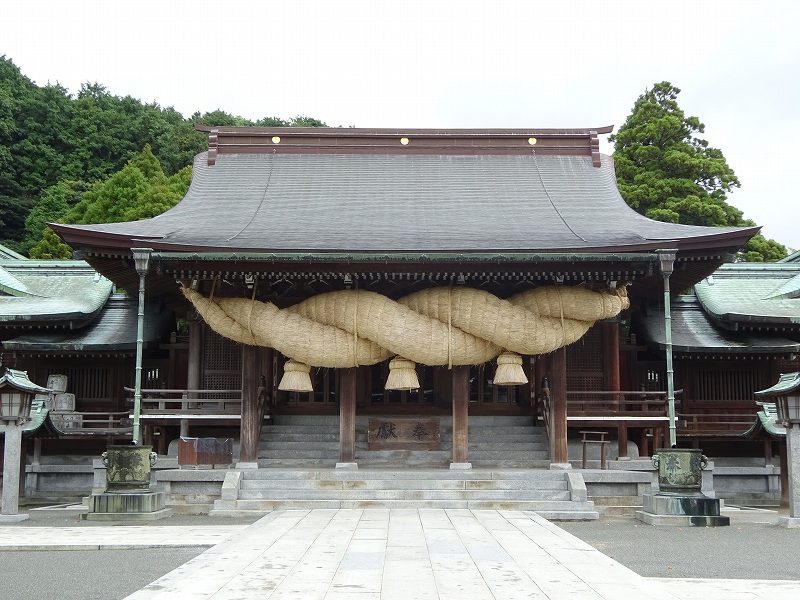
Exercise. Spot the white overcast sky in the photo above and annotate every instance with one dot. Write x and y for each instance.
(465, 63)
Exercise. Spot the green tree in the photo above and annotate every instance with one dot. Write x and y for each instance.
(51, 207)
(667, 173)
(139, 191)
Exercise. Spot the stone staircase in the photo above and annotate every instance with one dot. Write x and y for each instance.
(297, 456)
(313, 441)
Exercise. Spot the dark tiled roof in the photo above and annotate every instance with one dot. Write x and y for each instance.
(753, 294)
(113, 330)
(396, 203)
(694, 333)
(67, 293)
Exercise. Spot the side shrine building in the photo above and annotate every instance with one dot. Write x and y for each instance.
(409, 281)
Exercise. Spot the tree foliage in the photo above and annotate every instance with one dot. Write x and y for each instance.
(667, 173)
(140, 190)
(58, 151)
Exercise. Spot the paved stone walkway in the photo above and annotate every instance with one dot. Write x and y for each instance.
(389, 554)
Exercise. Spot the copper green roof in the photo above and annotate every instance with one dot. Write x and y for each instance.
(753, 295)
(693, 332)
(787, 383)
(7, 253)
(767, 422)
(792, 258)
(57, 293)
(112, 330)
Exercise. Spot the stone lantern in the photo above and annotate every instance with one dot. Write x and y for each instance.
(16, 392)
(786, 395)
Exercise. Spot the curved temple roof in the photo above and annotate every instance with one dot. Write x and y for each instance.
(351, 190)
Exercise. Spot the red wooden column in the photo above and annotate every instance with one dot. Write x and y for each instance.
(347, 419)
(611, 367)
(460, 417)
(558, 414)
(250, 426)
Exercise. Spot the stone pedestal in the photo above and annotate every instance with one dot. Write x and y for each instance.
(127, 496)
(132, 506)
(681, 511)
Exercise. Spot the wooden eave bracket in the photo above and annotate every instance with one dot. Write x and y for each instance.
(213, 143)
(595, 145)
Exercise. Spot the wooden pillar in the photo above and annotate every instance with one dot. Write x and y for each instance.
(194, 372)
(558, 395)
(611, 356)
(612, 374)
(347, 418)
(250, 426)
(460, 376)
(193, 375)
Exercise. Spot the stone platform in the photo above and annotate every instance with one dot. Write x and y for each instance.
(128, 506)
(681, 511)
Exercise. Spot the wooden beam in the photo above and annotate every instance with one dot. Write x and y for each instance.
(347, 416)
(460, 376)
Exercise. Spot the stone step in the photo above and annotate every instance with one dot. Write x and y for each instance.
(293, 446)
(405, 494)
(503, 441)
(555, 477)
(555, 510)
(480, 454)
(511, 464)
(268, 485)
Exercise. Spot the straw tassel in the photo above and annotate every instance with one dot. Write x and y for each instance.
(296, 377)
(402, 375)
(509, 370)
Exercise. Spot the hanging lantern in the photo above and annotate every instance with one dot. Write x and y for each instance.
(296, 377)
(509, 370)
(402, 375)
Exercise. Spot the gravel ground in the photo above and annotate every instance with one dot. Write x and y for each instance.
(752, 547)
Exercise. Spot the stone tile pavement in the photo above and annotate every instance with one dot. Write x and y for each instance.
(389, 554)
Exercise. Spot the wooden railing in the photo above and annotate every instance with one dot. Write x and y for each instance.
(732, 423)
(178, 403)
(617, 404)
(115, 424)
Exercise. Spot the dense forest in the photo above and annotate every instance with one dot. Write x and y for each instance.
(94, 157)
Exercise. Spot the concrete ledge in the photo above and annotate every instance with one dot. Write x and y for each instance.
(560, 466)
(789, 522)
(577, 487)
(150, 516)
(13, 518)
(682, 520)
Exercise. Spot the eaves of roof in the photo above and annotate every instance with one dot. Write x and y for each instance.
(693, 332)
(113, 330)
(752, 295)
(59, 293)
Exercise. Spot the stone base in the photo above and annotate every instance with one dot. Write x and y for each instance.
(789, 521)
(136, 506)
(352, 466)
(560, 466)
(13, 518)
(246, 465)
(460, 466)
(681, 511)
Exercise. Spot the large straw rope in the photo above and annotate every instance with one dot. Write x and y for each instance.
(436, 326)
